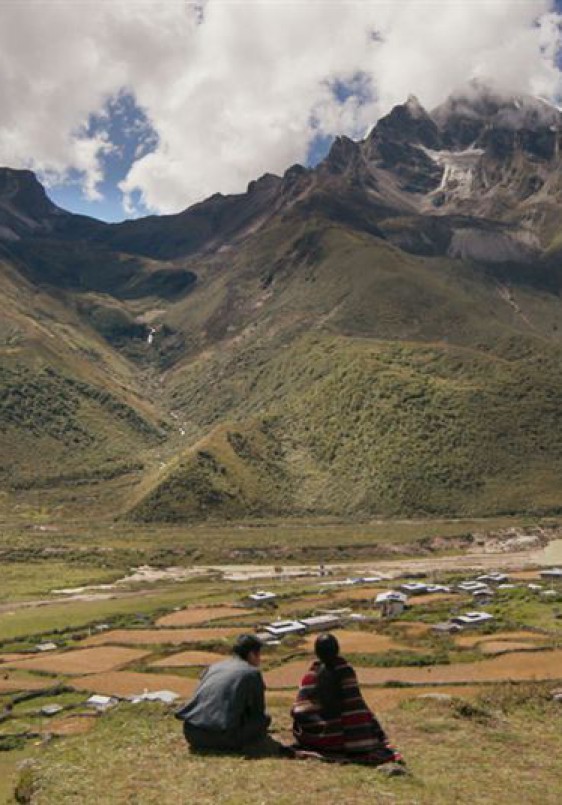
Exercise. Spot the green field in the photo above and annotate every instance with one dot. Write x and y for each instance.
(505, 748)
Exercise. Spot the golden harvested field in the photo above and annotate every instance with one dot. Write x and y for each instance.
(128, 683)
(197, 615)
(82, 661)
(382, 700)
(471, 640)
(502, 646)
(186, 659)
(10, 683)
(517, 666)
(148, 637)
(432, 598)
(288, 675)
(307, 604)
(354, 642)
(357, 594)
(13, 657)
(413, 628)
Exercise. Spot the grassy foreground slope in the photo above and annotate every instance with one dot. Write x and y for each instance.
(506, 747)
(358, 380)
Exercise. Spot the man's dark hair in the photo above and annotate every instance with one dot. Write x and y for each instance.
(245, 644)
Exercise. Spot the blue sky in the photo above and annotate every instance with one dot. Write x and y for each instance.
(130, 134)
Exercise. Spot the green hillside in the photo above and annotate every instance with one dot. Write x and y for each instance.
(399, 385)
(71, 412)
(356, 427)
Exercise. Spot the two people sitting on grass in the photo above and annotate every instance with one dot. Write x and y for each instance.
(330, 717)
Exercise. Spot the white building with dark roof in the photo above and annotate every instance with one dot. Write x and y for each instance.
(472, 619)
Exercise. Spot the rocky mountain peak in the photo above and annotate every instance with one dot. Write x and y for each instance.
(469, 114)
(342, 154)
(407, 122)
(24, 204)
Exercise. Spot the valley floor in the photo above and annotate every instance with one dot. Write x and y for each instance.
(130, 611)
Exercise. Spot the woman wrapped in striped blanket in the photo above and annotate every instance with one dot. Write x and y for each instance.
(330, 717)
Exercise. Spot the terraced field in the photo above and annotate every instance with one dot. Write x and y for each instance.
(171, 637)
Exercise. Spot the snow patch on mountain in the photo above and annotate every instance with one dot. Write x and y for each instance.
(458, 169)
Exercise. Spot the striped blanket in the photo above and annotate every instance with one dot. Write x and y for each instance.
(350, 731)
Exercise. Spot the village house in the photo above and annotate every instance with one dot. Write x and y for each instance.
(321, 623)
(262, 598)
(165, 696)
(470, 619)
(283, 628)
(493, 578)
(552, 574)
(471, 586)
(46, 647)
(414, 588)
(483, 595)
(391, 603)
(101, 703)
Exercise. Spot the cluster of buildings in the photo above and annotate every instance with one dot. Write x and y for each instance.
(392, 603)
(275, 631)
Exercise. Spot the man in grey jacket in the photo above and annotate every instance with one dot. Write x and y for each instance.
(227, 711)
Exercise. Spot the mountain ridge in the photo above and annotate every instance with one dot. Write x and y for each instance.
(375, 335)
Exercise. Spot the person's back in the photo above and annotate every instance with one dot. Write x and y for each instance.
(227, 710)
(330, 716)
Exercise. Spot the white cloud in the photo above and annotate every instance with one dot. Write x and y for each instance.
(246, 90)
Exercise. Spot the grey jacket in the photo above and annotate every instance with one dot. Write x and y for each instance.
(230, 697)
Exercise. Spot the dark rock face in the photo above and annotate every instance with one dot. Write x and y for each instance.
(25, 208)
(408, 123)
(343, 155)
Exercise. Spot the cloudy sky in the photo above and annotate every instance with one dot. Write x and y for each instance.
(126, 107)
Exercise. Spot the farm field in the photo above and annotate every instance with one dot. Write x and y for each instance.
(88, 660)
(198, 615)
(124, 638)
(188, 659)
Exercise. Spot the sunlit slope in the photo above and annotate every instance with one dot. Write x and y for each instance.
(70, 407)
(360, 381)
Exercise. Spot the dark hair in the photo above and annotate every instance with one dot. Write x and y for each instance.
(330, 695)
(327, 648)
(245, 644)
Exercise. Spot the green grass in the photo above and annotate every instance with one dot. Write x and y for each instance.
(138, 754)
(20, 581)
(10, 772)
(77, 615)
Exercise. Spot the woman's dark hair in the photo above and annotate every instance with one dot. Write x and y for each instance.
(327, 648)
(330, 695)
